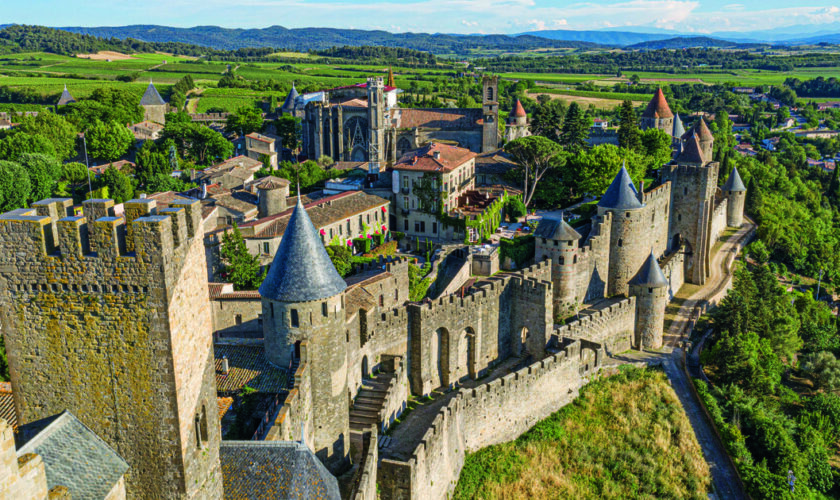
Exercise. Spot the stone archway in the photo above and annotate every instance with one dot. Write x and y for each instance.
(365, 368)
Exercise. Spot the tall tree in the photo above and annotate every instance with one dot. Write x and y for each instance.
(536, 155)
(245, 121)
(240, 267)
(628, 127)
(547, 118)
(120, 187)
(14, 145)
(44, 172)
(14, 186)
(60, 132)
(575, 129)
(108, 141)
(656, 145)
(288, 128)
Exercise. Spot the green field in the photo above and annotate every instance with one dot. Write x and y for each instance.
(626, 436)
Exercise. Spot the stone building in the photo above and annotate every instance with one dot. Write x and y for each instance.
(658, 114)
(154, 107)
(736, 194)
(365, 123)
(517, 123)
(258, 146)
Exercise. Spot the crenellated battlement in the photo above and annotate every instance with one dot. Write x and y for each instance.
(662, 191)
(49, 230)
(383, 263)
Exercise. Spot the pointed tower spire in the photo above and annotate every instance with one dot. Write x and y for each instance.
(679, 128)
(391, 77)
(621, 194)
(734, 182)
(650, 274)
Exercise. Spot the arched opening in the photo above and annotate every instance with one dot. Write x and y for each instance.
(489, 93)
(365, 368)
(297, 349)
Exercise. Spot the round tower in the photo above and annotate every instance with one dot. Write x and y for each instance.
(735, 193)
(627, 235)
(707, 140)
(658, 114)
(303, 322)
(272, 195)
(557, 241)
(650, 287)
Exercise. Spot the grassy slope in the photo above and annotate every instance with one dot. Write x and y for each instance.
(626, 436)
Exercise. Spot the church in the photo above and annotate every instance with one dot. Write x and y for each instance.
(364, 123)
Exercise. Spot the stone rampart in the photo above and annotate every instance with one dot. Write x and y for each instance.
(719, 219)
(492, 413)
(592, 272)
(295, 416)
(364, 487)
(613, 326)
(673, 266)
(657, 202)
(396, 396)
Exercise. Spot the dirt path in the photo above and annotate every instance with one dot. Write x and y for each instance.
(720, 266)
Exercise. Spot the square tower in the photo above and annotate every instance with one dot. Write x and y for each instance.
(490, 107)
(112, 322)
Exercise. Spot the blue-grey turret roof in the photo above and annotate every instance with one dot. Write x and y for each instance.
(289, 103)
(622, 194)
(556, 229)
(301, 270)
(650, 275)
(734, 182)
(151, 97)
(679, 128)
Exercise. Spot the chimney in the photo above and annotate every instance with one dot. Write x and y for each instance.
(225, 365)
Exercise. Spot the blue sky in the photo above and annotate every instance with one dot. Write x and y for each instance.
(449, 16)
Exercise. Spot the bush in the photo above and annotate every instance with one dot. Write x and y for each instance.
(362, 245)
(397, 235)
(384, 250)
(340, 256)
(514, 209)
(520, 250)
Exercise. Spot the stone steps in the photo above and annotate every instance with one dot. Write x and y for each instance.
(369, 402)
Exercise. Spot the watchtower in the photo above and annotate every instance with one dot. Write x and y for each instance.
(735, 193)
(558, 242)
(650, 287)
(658, 114)
(376, 119)
(490, 108)
(109, 318)
(304, 321)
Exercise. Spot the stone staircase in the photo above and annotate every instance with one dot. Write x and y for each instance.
(290, 383)
(369, 402)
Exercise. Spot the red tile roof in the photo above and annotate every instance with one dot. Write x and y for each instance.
(358, 86)
(423, 159)
(703, 131)
(436, 118)
(518, 110)
(658, 107)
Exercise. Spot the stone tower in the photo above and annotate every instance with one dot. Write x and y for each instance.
(627, 242)
(154, 106)
(650, 287)
(111, 320)
(517, 123)
(303, 319)
(735, 193)
(65, 98)
(272, 197)
(490, 107)
(557, 242)
(678, 132)
(658, 114)
(376, 119)
(705, 138)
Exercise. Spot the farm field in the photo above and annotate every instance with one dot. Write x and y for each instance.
(626, 436)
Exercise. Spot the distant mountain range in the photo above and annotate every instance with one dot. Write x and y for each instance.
(303, 39)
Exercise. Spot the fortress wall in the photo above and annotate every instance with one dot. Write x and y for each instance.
(594, 261)
(719, 220)
(87, 302)
(611, 326)
(658, 201)
(673, 267)
(297, 408)
(365, 489)
(397, 394)
(496, 412)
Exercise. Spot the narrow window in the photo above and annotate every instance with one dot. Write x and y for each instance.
(685, 190)
(569, 243)
(198, 431)
(627, 214)
(620, 242)
(561, 260)
(574, 260)
(238, 319)
(295, 320)
(324, 310)
(434, 227)
(266, 248)
(650, 290)
(405, 224)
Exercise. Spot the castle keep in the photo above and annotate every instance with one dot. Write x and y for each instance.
(108, 325)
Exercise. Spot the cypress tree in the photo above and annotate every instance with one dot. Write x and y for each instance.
(575, 129)
(628, 128)
(754, 201)
(834, 186)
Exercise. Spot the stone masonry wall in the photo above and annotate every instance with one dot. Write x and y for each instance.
(673, 267)
(23, 477)
(719, 220)
(492, 413)
(595, 260)
(94, 328)
(611, 326)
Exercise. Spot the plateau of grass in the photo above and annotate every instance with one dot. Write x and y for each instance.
(626, 436)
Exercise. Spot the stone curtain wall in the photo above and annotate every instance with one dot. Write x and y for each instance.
(365, 488)
(593, 270)
(612, 326)
(92, 327)
(296, 413)
(498, 411)
(672, 267)
(397, 392)
(719, 220)
(657, 201)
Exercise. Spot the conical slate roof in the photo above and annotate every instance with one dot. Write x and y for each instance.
(691, 152)
(301, 270)
(554, 229)
(621, 194)
(518, 110)
(734, 182)
(658, 107)
(679, 128)
(289, 103)
(650, 275)
(151, 97)
(65, 98)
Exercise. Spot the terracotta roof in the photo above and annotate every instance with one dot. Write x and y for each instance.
(119, 164)
(224, 404)
(349, 165)
(444, 118)
(247, 366)
(226, 291)
(495, 162)
(518, 110)
(423, 159)
(217, 289)
(7, 404)
(702, 131)
(233, 202)
(350, 102)
(322, 212)
(658, 107)
(260, 137)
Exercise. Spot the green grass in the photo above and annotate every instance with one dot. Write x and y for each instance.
(626, 436)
